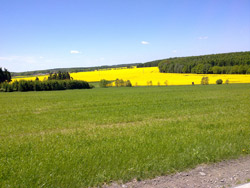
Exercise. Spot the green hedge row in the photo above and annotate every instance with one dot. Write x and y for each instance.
(49, 85)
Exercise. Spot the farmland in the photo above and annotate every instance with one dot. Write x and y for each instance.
(141, 76)
(81, 138)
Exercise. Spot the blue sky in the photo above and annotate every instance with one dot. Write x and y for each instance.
(43, 34)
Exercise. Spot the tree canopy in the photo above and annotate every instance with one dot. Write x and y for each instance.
(48, 85)
(228, 63)
(59, 76)
(4, 75)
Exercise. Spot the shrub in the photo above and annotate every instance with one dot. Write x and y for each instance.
(150, 83)
(219, 81)
(6, 87)
(104, 83)
(128, 83)
(121, 83)
(91, 86)
(117, 82)
(15, 85)
(25, 85)
(204, 81)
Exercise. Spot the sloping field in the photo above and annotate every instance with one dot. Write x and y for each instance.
(81, 138)
(141, 77)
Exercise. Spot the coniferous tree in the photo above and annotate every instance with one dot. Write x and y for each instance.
(5, 75)
(59, 76)
(1, 75)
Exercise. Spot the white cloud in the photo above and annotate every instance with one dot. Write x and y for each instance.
(203, 38)
(144, 42)
(75, 52)
(174, 51)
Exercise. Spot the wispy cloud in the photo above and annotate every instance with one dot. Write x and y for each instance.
(174, 51)
(144, 42)
(203, 38)
(75, 52)
(28, 59)
(11, 58)
(18, 63)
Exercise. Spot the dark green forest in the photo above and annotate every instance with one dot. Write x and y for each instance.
(228, 63)
(56, 81)
(49, 85)
(4, 75)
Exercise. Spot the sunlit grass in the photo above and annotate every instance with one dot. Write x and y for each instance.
(81, 138)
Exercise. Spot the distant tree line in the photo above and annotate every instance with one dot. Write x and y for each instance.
(5, 75)
(229, 63)
(150, 64)
(56, 81)
(76, 69)
(60, 76)
(49, 85)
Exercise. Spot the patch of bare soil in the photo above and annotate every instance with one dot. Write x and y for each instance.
(228, 173)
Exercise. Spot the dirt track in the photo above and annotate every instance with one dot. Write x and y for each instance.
(224, 174)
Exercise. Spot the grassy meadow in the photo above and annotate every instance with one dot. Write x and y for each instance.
(81, 138)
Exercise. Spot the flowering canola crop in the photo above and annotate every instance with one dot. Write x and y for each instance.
(146, 75)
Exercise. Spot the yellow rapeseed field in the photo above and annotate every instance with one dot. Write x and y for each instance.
(41, 78)
(146, 76)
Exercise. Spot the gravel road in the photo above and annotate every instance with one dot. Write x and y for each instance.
(224, 174)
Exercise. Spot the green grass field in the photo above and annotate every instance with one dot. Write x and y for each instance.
(81, 138)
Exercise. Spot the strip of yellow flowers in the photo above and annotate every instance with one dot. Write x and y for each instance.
(150, 76)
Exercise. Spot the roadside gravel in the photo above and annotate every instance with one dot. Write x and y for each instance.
(224, 174)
